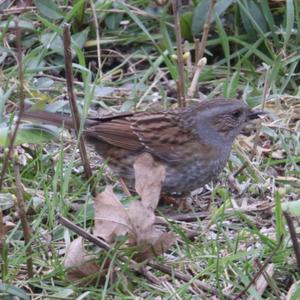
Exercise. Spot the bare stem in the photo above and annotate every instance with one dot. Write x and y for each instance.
(260, 271)
(72, 100)
(206, 27)
(23, 218)
(12, 134)
(294, 238)
(193, 87)
(180, 62)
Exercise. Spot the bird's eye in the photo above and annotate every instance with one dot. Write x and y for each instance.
(236, 114)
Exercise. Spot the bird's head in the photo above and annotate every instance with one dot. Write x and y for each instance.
(223, 118)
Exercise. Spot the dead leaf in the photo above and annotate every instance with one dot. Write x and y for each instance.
(141, 220)
(111, 218)
(150, 241)
(137, 222)
(149, 176)
(159, 245)
(78, 262)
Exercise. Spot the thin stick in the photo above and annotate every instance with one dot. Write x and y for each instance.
(12, 134)
(206, 30)
(294, 239)
(159, 267)
(180, 63)
(72, 100)
(193, 87)
(260, 271)
(23, 218)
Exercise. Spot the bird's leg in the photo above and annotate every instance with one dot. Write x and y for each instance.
(178, 201)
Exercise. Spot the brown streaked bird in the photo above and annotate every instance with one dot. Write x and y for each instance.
(193, 143)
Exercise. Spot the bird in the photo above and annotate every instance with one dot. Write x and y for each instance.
(192, 143)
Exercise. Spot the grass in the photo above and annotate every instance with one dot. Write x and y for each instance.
(244, 220)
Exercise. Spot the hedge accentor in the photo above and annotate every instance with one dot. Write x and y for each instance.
(193, 143)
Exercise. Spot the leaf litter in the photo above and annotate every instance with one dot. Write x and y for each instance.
(135, 222)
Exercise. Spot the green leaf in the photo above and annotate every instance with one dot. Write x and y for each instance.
(266, 10)
(290, 18)
(200, 14)
(112, 21)
(4, 96)
(166, 40)
(13, 291)
(49, 9)
(54, 42)
(292, 207)
(231, 90)
(26, 25)
(279, 217)
(7, 200)
(80, 38)
(252, 18)
(32, 134)
(186, 20)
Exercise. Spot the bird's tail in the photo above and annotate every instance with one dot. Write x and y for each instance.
(45, 117)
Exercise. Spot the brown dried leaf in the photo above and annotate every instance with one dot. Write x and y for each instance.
(79, 263)
(161, 242)
(141, 220)
(111, 218)
(149, 176)
(150, 241)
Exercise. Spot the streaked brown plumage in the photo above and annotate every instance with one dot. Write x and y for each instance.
(193, 143)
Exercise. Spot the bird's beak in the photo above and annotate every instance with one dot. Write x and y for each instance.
(255, 114)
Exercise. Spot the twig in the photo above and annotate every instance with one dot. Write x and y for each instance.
(193, 87)
(22, 215)
(12, 134)
(180, 63)
(97, 37)
(293, 235)
(159, 267)
(206, 30)
(262, 282)
(72, 100)
(263, 267)
(200, 48)
(101, 244)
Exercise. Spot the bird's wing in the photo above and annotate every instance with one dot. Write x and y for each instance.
(115, 131)
(166, 135)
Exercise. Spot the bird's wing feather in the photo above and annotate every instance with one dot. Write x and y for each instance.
(116, 132)
(166, 135)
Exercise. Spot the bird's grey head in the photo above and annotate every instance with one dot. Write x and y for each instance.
(222, 120)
